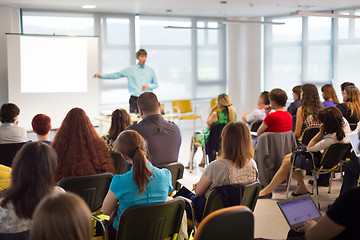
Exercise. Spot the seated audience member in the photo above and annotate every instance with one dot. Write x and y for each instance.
(280, 120)
(62, 216)
(4, 177)
(10, 132)
(345, 85)
(41, 125)
(120, 120)
(292, 109)
(234, 166)
(80, 149)
(143, 184)
(259, 112)
(333, 129)
(163, 137)
(341, 220)
(329, 95)
(32, 178)
(308, 112)
(351, 106)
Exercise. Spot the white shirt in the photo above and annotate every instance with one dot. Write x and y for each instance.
(9, 133)
(256, 114)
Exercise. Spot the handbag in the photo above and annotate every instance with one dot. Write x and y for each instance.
(302, 159)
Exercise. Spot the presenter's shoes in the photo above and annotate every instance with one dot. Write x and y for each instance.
(202, 164)
(267, 196)
(319, 183)
(294, 194)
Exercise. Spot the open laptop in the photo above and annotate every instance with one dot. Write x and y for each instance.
(354, 140)
(299, 210)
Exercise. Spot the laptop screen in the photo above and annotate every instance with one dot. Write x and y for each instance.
(299, 211)
(354, 139)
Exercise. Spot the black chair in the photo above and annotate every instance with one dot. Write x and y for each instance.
(212, 146)
(309, 133)
(151, 222)
(8, 152)
(121, 166)
(254, 125)
(353, 126)
(177, 172)
(15, 236)
(293, 122)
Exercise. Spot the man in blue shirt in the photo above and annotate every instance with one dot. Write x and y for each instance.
(141, 79)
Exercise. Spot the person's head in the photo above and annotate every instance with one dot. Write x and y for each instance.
(132, 146)
(79, 147)
(61, 216)
(333, 121)
(296, 92)
(352, 99)
(141, 56)
(32, 177)
(41, 124)
(345, 85)
(328, 93)
(279, 97)
(264, 99)
(148, 104)
(9, 113)
(120, 120)
(310, 101)
(236, 143)
(224, 102)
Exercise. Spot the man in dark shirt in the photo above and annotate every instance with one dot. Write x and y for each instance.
(162, 136)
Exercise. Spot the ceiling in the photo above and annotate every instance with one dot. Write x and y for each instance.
(213, 8)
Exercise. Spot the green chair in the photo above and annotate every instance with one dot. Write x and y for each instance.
(177, 172)
(151, 222)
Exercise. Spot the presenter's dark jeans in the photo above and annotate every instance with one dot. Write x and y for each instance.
(133, 104)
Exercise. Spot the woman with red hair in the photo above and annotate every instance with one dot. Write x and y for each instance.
(80, 149)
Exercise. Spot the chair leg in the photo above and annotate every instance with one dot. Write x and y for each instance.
(192, 154)
(331, 181)
(288, 183)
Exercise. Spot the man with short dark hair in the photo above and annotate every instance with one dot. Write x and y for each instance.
(162, 136)
(141, 78)
(10, 132)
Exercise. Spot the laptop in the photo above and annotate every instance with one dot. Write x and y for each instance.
(354, 140)
(299, 210)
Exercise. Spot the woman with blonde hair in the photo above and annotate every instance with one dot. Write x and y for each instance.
(80, 149)
(120, 120)
(329, 95)
(351, 106)
(143, 184)
(62, 216)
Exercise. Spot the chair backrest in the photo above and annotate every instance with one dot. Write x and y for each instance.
(183, 105)
(254, 126)
(121, 166)
(213, 142)
(15, 236)
(334, 154)
(177, 172)
(353, 126)
(251, 195)
(151, 222)
(92, 188)
(309, 133)
(293, 123)
(8, 152)
(229, 223)
(212, 103)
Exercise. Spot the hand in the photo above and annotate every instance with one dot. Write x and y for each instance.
(307, 225)
(268, 109)
(97, 75)
(145, 87)
(322, 128)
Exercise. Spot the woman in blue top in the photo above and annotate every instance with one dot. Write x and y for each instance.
(143, 184)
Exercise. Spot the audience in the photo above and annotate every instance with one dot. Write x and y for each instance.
(329, 95)
(143, 184)
(279, 120)
(32, 178)
(307, 113)
(41, 125)
(333, 129)
(351, 106)
(163, 137)
(120, 120)
(62, 216)
(234, 166)
(10, 132)
(259, 112)
(292, 109)
(80, 149)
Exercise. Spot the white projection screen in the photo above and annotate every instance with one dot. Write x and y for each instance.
(51, 75)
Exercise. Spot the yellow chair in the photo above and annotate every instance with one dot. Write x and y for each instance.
(184, 110)
(212, 103)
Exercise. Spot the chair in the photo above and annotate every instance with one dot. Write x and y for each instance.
(177, 172)
(309, 133)
(121, 166)
(248, 197)
(184, 110)
(254, 125)
(15, 236)
(229, 223)
(212, 103)
(212, 146)
(151, 222)
(194, 145)
(8, 152)
(353, 126)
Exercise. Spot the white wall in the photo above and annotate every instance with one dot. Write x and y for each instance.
(9, 23)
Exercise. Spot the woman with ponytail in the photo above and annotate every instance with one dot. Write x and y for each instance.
(143, 184)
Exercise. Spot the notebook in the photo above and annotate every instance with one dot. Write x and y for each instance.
(299, 210)
(354, 139)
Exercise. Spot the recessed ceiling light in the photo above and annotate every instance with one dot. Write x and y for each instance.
(89, 6)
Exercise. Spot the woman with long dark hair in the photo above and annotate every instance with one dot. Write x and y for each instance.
(80, 149)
